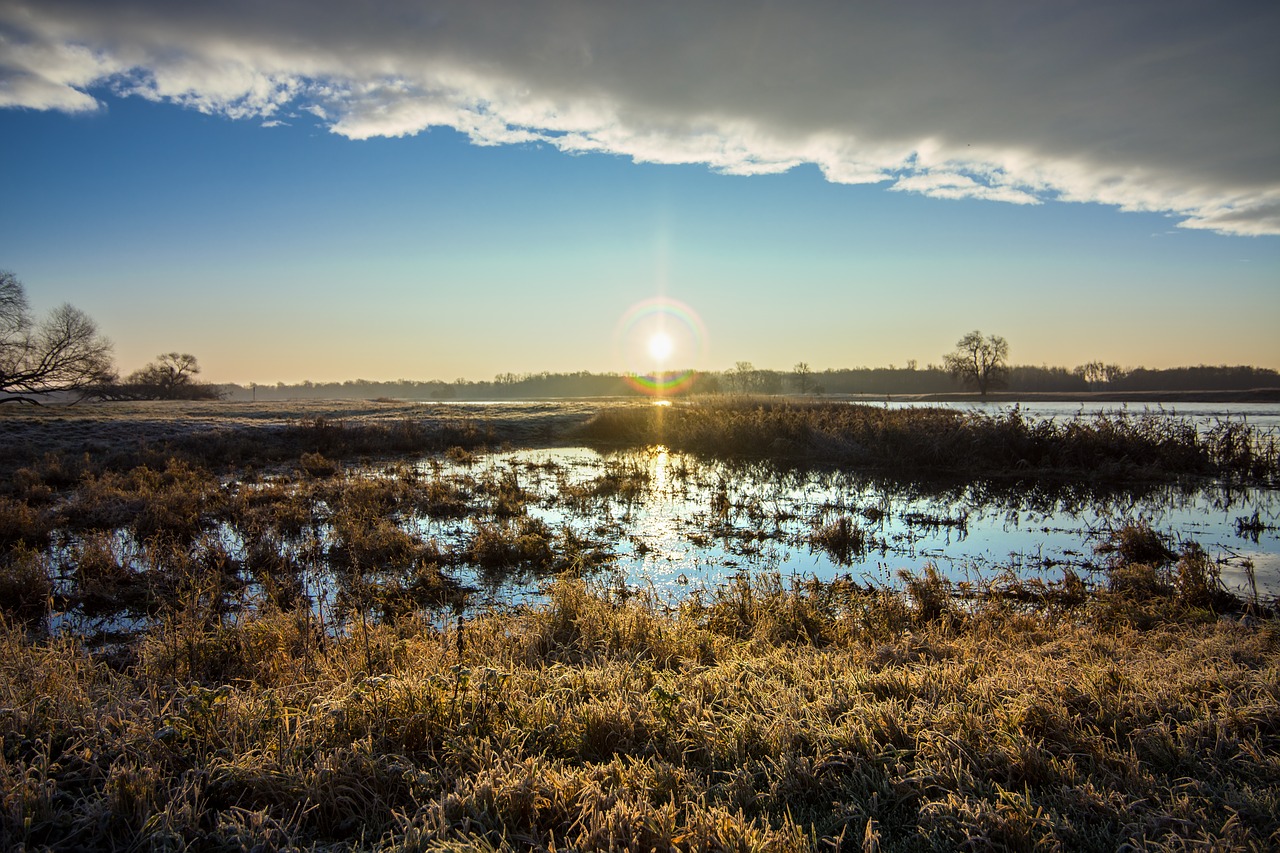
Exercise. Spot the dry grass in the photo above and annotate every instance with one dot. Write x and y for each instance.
(763, 718)
(841, 537)
(937, 440)
(63, 442)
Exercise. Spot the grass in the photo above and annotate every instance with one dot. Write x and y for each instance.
(938, 440)
(762, 717)
(247, 712)
(841, 537)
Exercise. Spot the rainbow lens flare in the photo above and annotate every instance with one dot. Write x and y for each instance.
(654, 332)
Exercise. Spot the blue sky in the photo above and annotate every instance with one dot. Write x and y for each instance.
(302, 205)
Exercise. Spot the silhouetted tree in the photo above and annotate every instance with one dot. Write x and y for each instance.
(802, 376)
(62, 353)
(979, 361)
(170, 377)
(1097, 373)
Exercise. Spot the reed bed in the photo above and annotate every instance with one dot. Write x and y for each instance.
(938, 440)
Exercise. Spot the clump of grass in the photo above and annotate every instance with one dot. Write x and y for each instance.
(1135, 543)
(440, 497)
(317, 465)
(280, 506)
(841, 537)
(510, 543)
(22, 523)
(1148, 582)
(25, 585)
(930, 592)
(178, 500)
(1251, 526)
(104, 583)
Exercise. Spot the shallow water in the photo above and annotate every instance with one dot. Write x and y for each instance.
(1265, 417)
(684, 524)
(674, 524)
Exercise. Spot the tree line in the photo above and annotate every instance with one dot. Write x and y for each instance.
(64, 356)
(876, 381)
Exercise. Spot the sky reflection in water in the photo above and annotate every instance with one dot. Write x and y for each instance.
(678, 523)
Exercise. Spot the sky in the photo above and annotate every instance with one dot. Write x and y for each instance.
(328, 190)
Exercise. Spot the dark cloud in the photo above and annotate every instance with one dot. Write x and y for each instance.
(1162, 106)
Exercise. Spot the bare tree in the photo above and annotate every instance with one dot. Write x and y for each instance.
(62, 353)
(170, 377)
(802, 376)
(979, 361)
(170, 370)
(1098, 373)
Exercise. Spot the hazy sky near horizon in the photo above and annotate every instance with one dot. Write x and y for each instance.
(431, 190)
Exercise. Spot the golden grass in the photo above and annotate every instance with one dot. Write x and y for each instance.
(763, 718)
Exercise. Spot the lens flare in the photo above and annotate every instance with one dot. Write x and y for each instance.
(661, 346)
(654, 333)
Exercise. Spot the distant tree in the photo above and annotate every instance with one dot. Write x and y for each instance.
(802, 376)
(170, 377)
(1097, 373)
(979, 361)
(741, 378)
(62, 353)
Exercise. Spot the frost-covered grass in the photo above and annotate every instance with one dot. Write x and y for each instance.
(762, 717)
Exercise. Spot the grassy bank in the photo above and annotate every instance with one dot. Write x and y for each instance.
(760, 718)
(940, 440)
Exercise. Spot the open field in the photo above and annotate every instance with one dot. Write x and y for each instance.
(221, 433)
(282, 653)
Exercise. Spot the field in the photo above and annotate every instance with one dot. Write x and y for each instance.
(222, 631)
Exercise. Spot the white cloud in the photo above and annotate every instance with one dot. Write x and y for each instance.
(49, 75)
(1151, 105)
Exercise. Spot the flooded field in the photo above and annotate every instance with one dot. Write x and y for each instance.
(311, 622)
(378, 510)
(678, 523)
(490, 530)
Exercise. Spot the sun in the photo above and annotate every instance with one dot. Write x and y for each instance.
(660, 346)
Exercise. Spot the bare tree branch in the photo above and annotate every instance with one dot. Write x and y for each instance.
(64, 352)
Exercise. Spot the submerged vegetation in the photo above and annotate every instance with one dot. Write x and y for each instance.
(264, 637)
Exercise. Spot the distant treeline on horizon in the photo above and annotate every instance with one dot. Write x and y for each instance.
(746, 379)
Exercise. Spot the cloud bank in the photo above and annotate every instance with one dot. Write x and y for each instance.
(1150, 105)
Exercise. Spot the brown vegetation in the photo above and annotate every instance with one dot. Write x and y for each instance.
(763, 717)
(242, 708)
(940, 440)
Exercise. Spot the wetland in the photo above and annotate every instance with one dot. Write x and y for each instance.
(737, 624)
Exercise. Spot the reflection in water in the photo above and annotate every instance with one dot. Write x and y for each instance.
(665, 521)
(674, 520)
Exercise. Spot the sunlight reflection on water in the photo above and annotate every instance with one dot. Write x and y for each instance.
(695, 523)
